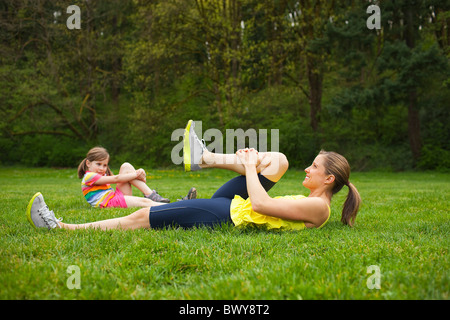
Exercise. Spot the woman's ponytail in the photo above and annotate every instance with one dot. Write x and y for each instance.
(337, 165)
(351, 205)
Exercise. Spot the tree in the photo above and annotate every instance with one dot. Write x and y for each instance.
(411, 57)
(54, 79)
(388, 68)
(309, 20)
(78, 64)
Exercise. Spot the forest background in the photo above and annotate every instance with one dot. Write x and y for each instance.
(137, 70)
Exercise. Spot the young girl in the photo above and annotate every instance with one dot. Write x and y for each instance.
(97, 178)
(243, 200)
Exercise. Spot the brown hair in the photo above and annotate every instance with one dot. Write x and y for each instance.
(337, 165)
(95, 154)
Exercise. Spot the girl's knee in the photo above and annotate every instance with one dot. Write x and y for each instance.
(133, 201)
(126, 167)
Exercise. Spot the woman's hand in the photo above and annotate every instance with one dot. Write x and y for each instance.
(248, 157)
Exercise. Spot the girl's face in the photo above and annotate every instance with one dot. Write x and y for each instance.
(315, 174)
(98, 166)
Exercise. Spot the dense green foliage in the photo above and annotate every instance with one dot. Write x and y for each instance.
(403, 228)
(139, 69)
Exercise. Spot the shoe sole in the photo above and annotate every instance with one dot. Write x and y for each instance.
(187, 148)
(30, 204)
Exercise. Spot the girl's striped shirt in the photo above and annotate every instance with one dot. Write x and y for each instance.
(96, 196)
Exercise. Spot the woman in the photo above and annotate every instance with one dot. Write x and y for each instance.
(242, 200)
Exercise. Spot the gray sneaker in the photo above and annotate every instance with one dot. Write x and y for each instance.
(39, 215)
(192, 194)
(193, 148)
(155, 196)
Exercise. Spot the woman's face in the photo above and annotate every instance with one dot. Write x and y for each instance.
(98, 166)
(315, 174)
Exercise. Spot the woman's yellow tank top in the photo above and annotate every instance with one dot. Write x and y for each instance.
(242, 215)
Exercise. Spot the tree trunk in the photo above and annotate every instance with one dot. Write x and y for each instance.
(414, 125)
(413, 112)
(315, 79)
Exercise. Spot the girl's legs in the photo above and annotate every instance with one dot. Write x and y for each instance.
(133, 201)
(125, 187)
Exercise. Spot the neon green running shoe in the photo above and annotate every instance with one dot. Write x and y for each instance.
(39, 215)
(193, 148)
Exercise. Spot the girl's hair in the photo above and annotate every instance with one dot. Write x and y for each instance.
(338, 166)
(95, 154)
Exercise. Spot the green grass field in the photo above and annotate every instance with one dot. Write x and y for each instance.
(402, 228)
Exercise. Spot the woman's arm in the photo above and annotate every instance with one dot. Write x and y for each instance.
(313, 210)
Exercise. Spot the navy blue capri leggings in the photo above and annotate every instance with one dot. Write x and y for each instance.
(203, 212)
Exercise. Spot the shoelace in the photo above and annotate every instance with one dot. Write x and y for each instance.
(202, 142)
(183, 198)
(49, 217)
(186, 197)
(155, 196)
